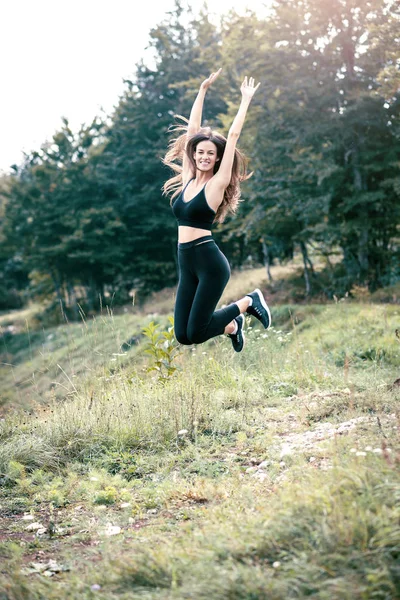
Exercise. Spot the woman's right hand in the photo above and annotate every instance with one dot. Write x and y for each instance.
(248, 88)
(207, 82)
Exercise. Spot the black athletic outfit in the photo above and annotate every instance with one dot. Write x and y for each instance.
(204, 272)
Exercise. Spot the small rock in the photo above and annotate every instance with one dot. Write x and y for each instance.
(111, 529)
(312, 459)
(260, 476)
(276, 564)
(28, 518)
(95, 587)
(48, 569)
(251, 469)
(286, 450)
(125, 504)
(263, 464)
(34, 526)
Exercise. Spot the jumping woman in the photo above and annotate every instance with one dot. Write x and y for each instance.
(207, 186)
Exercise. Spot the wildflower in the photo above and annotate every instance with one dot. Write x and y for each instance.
(360, 453)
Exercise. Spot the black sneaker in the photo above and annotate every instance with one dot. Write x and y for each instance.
(259, 308)
(238, 338)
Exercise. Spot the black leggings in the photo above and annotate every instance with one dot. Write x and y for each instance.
(204, 272)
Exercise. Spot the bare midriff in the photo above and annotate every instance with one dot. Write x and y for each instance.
(188, 234)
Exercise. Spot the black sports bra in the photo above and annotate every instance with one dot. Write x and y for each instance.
(196, 212)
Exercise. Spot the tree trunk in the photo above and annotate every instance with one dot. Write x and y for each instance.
(306, 262)
(59, 294)
(72, 300)
(362, 254)
(267, 262)
(92, 294)
(362, 251)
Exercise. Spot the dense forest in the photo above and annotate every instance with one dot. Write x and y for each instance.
(84, 217)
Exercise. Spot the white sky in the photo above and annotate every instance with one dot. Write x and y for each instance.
(68, 58)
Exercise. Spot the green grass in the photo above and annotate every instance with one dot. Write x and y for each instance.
(268, 474)
(38, 365)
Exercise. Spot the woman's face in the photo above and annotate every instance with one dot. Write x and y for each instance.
(205, 156)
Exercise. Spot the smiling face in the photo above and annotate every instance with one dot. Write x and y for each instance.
(205, 156)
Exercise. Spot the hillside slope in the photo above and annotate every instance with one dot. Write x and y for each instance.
(267, 474)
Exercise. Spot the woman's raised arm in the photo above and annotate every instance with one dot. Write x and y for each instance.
(197, 108)
(195, 119)
(223, 176)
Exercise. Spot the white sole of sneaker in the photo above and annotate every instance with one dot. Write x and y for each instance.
(265, 305)
(243, 336)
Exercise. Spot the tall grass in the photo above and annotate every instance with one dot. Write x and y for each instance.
(217, 505)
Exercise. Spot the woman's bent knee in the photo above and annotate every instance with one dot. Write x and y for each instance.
(182, 338)
(198, 337)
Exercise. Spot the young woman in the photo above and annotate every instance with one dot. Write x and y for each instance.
(210, 169)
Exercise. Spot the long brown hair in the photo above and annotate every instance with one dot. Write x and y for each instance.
(174, 158)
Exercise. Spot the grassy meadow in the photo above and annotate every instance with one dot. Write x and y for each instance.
(270, 474)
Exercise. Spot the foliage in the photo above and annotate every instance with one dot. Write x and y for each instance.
(83, 219)
(163, 350)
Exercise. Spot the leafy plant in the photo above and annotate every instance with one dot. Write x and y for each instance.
(163, 349)
(122, 462)
(107, 496)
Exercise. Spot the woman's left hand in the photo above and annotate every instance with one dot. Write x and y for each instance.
(248, 89)
(207, 82)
